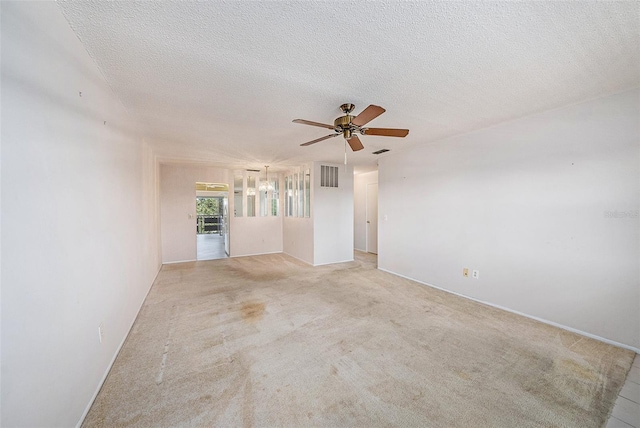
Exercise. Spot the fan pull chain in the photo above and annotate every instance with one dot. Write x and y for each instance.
(345, 152)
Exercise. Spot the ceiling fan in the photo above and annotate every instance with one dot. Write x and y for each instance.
(348, 126)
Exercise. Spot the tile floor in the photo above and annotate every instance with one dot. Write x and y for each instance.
(210, 246)
(626, 412)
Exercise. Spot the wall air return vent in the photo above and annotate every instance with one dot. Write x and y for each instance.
(328, 176)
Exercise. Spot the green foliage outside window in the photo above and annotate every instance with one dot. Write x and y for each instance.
(208, 206)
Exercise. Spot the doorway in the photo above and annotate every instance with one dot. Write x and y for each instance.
(372, 218)
(212, 231)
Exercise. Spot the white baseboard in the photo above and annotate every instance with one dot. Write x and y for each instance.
(333, 263)
(297, 258)
(113, 360)
(319, 264)
(542, 320)
(254, 254)
(180, 261)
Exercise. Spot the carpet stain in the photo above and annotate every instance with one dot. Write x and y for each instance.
(252, 312)
(247, 404)
(578, 369)
(463, 375)
(257, 273)
(167, 344)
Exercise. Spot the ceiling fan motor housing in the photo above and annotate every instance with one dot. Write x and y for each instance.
(343, 122)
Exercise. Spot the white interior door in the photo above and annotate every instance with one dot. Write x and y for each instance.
(372, 218)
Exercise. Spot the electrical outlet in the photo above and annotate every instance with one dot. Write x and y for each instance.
(465, 272)
(476, 274)
(101, 332)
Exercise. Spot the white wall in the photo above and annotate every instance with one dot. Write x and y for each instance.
(256, 235)
(178, 207)
(333, 217)
(298, 238)
(360, 182)
(248, 235)
(79, 230)
(525, 203)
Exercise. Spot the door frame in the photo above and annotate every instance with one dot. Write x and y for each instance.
(366, 218)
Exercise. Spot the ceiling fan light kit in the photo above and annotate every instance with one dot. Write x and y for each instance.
(348, 126)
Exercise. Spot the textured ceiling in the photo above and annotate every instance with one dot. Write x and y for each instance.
(221, 81)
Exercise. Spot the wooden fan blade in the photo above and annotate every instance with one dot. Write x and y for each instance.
(319, 139)
(386, 132)
(308, 122)
(355, 143)
(368, 115)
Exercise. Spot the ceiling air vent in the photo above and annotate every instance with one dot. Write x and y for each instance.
(328, 176)
(378, 152)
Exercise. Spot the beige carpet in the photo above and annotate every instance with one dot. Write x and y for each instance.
(269, 341)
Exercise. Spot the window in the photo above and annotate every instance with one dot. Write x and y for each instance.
(275, 197)
(269, 198)
(238, 196)
(294, 194)
(264, 195)
(251, 196)
(209, 214)
(297, 198)
(301, 195)
(307, 193)
(288, 197)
